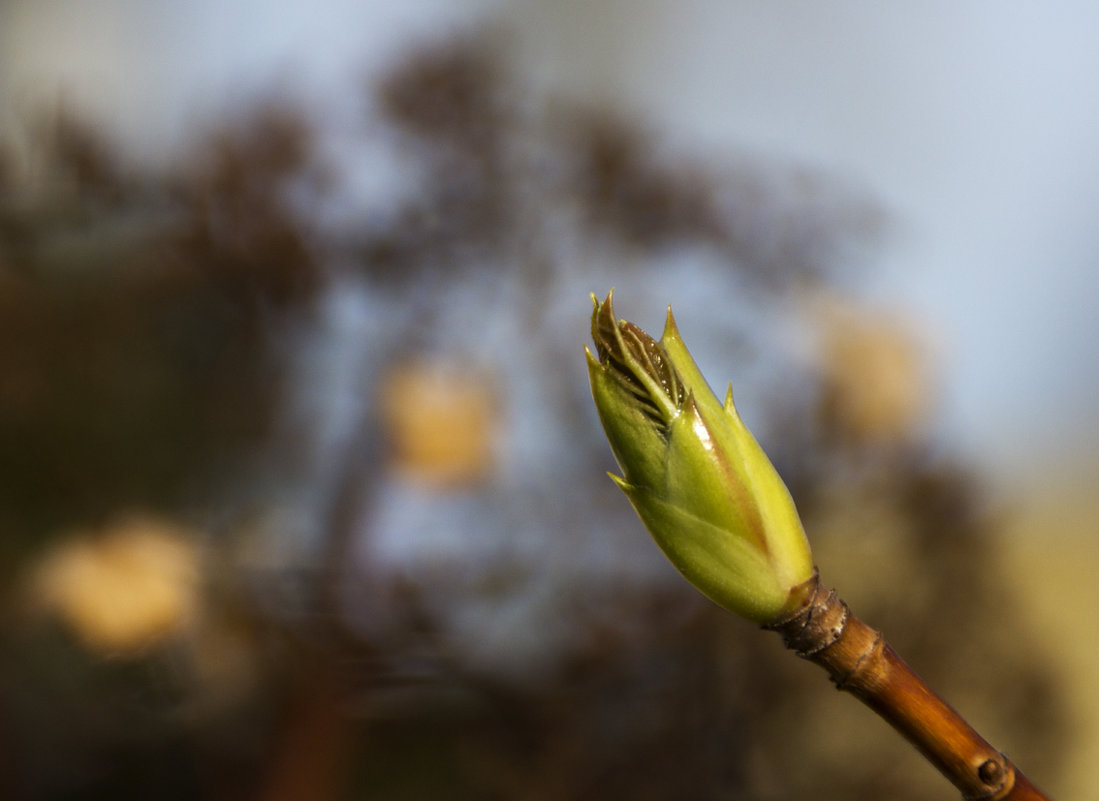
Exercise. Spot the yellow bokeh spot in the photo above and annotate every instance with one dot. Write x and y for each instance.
(123, 588)
(876, 383)
(441, 422)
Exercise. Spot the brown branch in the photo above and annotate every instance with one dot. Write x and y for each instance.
(859, 661)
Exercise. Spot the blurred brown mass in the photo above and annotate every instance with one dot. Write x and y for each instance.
(627, 192)
(240, 226)
(452, 95)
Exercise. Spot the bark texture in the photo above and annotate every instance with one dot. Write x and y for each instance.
(859, 661)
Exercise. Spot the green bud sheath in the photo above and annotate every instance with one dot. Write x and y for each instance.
(696, 476)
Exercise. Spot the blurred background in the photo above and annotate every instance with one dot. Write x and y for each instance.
(302, 493)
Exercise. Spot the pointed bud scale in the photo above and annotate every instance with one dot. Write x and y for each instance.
(696, 476)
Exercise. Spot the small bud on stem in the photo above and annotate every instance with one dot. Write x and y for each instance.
(715, 505)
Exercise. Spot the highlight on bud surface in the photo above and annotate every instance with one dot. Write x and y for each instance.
(696, 476)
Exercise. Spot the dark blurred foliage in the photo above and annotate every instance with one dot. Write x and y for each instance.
(137, 348)
(146, 345)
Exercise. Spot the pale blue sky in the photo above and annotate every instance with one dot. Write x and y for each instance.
(976, 124)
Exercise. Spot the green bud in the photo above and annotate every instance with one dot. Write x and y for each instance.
(696, 476)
